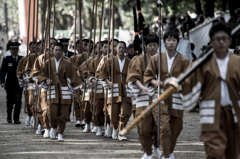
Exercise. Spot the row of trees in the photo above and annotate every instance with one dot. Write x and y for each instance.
(123, 11)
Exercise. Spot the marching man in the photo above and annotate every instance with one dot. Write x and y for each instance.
(121, 107)
(217, 83)
(63, 82)
(171, 111)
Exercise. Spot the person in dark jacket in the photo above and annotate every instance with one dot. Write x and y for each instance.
(10, 83)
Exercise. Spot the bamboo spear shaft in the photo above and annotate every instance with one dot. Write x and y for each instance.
(54, 1)
(29, 10)
(108, 49)
(94, 40)
(36, 105)
(112, 57)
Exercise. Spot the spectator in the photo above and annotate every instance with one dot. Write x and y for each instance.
(130, 52)
(171, 25)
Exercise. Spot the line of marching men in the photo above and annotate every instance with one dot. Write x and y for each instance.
(86, 82)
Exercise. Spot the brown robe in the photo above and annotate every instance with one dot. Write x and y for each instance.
(118, 84)
(67, 77)
(179, 65)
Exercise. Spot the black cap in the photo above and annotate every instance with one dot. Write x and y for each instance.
(14, 45)
(64, 41)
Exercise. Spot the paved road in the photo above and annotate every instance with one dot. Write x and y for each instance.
(21, 142)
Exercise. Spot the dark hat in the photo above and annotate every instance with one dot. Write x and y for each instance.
(64, 41)
(14, 45)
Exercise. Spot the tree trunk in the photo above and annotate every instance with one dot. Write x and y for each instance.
(198, 7)
(233, 5)
(209, 7)
(224, 5)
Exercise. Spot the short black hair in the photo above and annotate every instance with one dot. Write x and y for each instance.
(32, 42)
(104, 42)
(58, 44)
(130, 46)
(220, 26)
(116, 40)
(151, 38)
(171, 34)
(122, 43)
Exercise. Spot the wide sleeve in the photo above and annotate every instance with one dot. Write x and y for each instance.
(3, 70)
(191, 89)
(100, 67)
(19, 68)
(74, 81)
(35, 71)
(106, 71)
(150, 72)
(91, 70)
(43, 75)
(135, 71)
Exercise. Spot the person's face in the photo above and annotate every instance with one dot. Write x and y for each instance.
(65, 48)
(152, 48)
(171, 43)
(31, 48)
(57, 52)
(220, 42)
(84, 47)
(40, 48)
(14, 51)
(104, 49)
(97, 49)
(131, 51)
(121, 49)
(52, 43)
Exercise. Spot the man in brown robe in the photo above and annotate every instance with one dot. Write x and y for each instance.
(63, 82)
(99, 91)
(147, 128)
(171, 110)
(121, 109)
(217, 83)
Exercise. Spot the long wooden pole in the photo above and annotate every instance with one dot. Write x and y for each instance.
(29, 10)
(49, 66)
(108, 49)
(36, 105)
(80, 28)
(112, 57)
(92, 20)
(159, 70)
(94, 41)
(43, 24)
(75, 27)
(54, 1)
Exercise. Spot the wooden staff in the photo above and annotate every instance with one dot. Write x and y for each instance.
(159, 4)
(38, 92)
(84, 90)
(46, 35)
(136, 39)
(91, 27)
(29, 10)
(43, 23)
(80, 28)
(75, 29)
(108, 49)
(34, 48)
(54, 1)
(94, 40)
(112, 58)
(100, 26)
(49, 66)
(81, 48)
